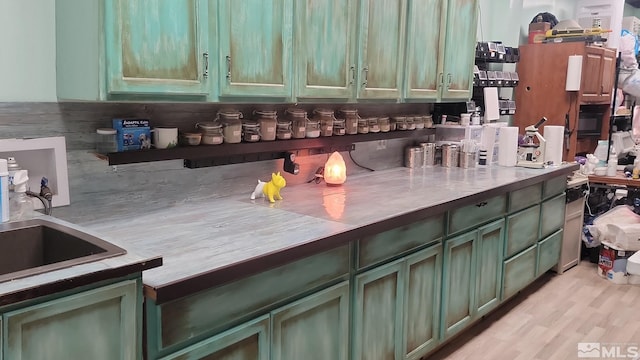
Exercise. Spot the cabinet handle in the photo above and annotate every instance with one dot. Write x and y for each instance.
(352, 70)
(441, 82)
(449, 78)
(366, 75)
(205, 57)
(481, 204)
(228, 68)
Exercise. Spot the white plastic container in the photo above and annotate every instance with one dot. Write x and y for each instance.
(4, 191)
(20, 205)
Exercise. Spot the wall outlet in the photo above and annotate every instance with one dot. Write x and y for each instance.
(381, 145)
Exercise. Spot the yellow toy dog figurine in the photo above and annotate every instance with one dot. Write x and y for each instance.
(270, 189)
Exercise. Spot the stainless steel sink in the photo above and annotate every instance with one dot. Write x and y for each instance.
(36, 246)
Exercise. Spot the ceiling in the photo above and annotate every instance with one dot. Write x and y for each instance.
(634, 3)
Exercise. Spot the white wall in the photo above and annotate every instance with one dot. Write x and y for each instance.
(27, 50)
(499, 21)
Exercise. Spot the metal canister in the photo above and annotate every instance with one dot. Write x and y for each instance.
(450, 155)
(467, 160)
(413, 157)
(428, 154)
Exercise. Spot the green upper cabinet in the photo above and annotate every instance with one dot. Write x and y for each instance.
(255, 48)
(459, 51)
(324, 48)
(156, 47)
(425, 40)
(381, 49)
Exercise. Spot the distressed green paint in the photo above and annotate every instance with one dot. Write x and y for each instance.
(378, 313)
(255, 48)
(212, 309)
(489, 267)
(555, 186)
(156, 47)
(324, 48)
(470, 216)
(249, 341)
(381, 48)
(422, 302)
(519, 271)
(460, 49)
(549, 252)
(426, 21)
(522, 230)
(552, 215)
(96, 324)
(313, 328)
(386, 245)
(459, 283)
(525, 197)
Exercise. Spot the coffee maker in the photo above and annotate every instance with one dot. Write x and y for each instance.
(532, 147)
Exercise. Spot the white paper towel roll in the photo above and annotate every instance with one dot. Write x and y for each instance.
(555, 138)
(574, 73)
(508, 146)
(491, 104)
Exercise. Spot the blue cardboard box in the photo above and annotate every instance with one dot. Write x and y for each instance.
(132, 134)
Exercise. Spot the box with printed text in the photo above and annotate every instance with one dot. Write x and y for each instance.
(132, 134)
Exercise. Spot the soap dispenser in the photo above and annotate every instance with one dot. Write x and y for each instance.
(20, 205)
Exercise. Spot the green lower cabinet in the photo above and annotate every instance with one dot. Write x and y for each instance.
(97, 324)
(377, 329)
(313, 328)
(522, 230)
(249, 341)
(422, 302)
(459, 284)
(552, 215)
(489, 266)
(519, 271)
(549, 252)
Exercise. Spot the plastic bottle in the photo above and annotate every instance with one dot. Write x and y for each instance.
(601, 152)
(12, 166)
(4, 191)
(612, 165)
(20, 205)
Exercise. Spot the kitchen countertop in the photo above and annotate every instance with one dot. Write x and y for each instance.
(206, 242)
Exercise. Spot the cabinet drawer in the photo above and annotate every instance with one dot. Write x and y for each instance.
(519, 271)
(525, 197)
(475, 214)
(552, 215)
(379, 247)
(549, 252)
(554, 186)
(522, 230)
(206, 311)
(575, 207)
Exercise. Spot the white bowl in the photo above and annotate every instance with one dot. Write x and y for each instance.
(600, 171)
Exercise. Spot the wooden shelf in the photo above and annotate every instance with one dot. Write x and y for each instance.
(273, 149)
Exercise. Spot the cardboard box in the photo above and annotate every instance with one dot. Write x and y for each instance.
(132, 134)
(612, 263)
(539, 26)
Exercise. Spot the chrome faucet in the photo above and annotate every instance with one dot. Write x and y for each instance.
(45, 196)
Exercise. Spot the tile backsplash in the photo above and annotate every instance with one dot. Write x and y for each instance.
(91, 178)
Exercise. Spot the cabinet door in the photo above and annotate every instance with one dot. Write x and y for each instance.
(592, 75)
(381, 48)
(96, 324)
(422, 302)
(552, 215)
(460, 46)
(156, 47)
(249, 341)
(255, 47)
(571, 236)
(458, 283)
(314, 328)
(489, 267)
(608, 74)
(324, 44)
(425, 48)
(378, 313)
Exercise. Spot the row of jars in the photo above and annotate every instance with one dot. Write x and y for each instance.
(231, 127)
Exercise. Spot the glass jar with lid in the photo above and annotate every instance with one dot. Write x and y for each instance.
(385, 125)
(250, 131)
(325, 118)
(418, 121)
(283, 130)
(400, 122)
(267, 119)
(298, 118)
(351, 118)
(410, 124)
(106, 140)
(428, 121)
(231, 126)
(312, 130)
(211, 132)
(338, 127)
(363, 126)
(374, 126)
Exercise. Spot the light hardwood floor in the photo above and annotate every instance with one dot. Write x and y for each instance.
(547, 320)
